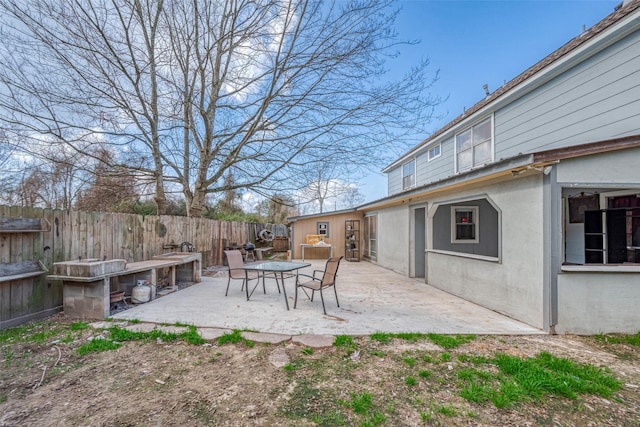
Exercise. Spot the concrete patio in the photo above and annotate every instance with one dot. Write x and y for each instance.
(372, 299)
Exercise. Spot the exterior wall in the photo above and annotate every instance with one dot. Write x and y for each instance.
(586, 175)
(438, 168)
(394, 181)
(305, 226)
(393, 239)
(599, 299)
(591, 303)
(619, 167)
(514, 285)
(597, 100)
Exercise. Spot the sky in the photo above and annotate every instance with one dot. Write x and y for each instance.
(478, 42)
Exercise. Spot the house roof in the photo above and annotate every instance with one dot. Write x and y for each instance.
(623, 10)
(322, 214)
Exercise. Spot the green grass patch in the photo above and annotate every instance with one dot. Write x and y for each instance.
(344, 341)
(117, 335)
(633, 340)
(381, 337)
(410, 361)
(361, 403)
(79, 326)
(410, 381)
(15, 334)
(425, 374)
(450, 341)
(448, 410)
(307, 350)
(533, 379)
(235, 337)
(97, 345)
(428, 359)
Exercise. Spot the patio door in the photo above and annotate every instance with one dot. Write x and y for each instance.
(419, 242)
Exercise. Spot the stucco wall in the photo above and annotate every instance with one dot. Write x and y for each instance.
(393, 239)
(591, 303)
(513, 286)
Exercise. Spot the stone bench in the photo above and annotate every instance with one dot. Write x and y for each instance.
(89, 297)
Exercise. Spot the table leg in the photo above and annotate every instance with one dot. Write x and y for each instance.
(246, 283)
(284, 290)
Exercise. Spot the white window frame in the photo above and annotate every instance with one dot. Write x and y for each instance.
(474, 163)
(476, 221)
(431, 149)
(412, 184)
(371, 243)
(322, 228)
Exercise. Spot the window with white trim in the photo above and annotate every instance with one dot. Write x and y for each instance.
(370, 236)
(409, 175)
(434, 152)
(322, 229)
(474, 146)
(464, 224)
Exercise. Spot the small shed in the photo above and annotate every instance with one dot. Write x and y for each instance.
(337, 232)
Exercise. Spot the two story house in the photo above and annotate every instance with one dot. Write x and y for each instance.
(529, 202)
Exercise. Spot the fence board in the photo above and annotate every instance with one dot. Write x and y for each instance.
(94, 235)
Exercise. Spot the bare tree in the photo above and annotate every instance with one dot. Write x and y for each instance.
(277, 209)
(192, 90)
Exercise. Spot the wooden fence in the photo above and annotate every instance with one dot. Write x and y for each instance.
(69, 235)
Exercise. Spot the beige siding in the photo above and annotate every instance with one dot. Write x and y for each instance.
(303, 227)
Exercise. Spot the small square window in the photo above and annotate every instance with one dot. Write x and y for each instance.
(434, 152)
(323, 229)
(464, 224)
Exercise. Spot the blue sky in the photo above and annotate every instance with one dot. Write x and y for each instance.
(477, 42)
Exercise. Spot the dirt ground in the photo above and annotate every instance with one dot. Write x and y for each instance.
(45, 382)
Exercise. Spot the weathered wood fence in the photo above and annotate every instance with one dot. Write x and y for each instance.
(69, 235)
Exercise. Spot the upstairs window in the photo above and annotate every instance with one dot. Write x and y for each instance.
(434, 152)
(409, 175)
(474, 146)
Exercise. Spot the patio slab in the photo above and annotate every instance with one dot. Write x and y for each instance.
(372, 299)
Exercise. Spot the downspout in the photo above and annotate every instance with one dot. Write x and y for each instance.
(552, 246)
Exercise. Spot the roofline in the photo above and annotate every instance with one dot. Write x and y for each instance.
(612, 28)
(342, 211)
(605, 146)
(512, 166)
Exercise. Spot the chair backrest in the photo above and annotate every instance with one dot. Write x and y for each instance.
(235, 263)
(331, 271)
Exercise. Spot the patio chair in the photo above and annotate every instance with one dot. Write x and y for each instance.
(235, 262)
(320, 280)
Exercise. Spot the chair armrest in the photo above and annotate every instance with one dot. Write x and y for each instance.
(317, 271)
(307, 275)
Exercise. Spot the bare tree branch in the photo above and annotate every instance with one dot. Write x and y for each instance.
(189, 91)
